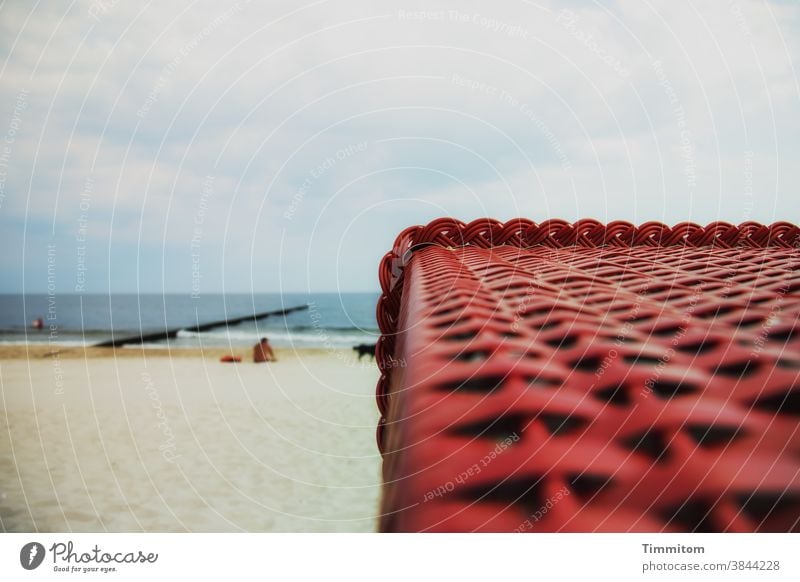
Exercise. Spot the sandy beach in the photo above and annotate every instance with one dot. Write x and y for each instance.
(154, 440)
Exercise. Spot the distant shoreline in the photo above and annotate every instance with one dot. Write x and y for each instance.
(34, 351)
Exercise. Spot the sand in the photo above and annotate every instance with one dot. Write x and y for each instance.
(150, 440)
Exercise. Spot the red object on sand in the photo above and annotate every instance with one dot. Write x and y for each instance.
(229, 358)
(588, 377)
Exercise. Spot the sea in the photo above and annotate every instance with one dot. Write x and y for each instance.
(331, 320)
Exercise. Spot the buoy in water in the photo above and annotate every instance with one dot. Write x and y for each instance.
(37, 323)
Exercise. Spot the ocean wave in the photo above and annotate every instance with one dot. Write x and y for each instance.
(321, 337)
(333, 328)
(44, 340)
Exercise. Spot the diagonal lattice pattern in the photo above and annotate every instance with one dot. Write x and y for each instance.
(590, 377)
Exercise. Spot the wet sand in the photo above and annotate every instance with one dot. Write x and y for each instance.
(151, 440)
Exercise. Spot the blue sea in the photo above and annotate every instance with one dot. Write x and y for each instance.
(333, 320)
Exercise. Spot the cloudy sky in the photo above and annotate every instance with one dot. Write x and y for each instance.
(281, 146)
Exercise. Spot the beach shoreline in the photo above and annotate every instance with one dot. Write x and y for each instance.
(159, 439)
(41, 350)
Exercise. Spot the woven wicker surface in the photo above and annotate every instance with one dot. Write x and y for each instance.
(590, 377)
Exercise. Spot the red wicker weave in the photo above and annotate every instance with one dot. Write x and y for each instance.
(588, 377)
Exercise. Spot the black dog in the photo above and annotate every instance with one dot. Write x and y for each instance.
(365, 350)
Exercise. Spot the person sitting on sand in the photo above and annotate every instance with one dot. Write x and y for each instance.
(262, 352)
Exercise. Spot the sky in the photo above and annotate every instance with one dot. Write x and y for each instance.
(206, 147)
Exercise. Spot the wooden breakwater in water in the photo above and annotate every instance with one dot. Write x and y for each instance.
(172, 333)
